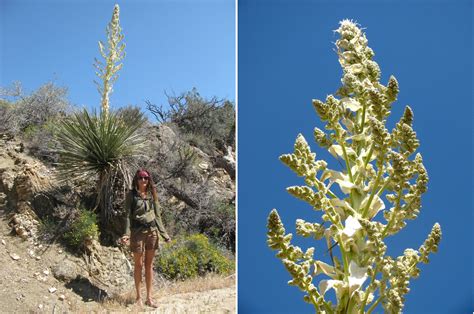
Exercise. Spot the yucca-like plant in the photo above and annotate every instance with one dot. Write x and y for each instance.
(95, 146)
(378, 164)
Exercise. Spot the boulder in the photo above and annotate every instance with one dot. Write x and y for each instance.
(66, 270)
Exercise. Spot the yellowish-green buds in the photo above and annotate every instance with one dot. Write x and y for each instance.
(276, 231)
(392, 89)
(431, 243)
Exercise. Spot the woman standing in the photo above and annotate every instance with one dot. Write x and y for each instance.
(143, 224)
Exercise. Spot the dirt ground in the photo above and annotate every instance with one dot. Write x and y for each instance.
(28, 286)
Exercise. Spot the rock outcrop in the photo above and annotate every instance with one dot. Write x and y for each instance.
(26, 189)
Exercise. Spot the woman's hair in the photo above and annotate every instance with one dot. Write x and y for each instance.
(151, 184)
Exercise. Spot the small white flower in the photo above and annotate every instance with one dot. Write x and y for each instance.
(356, 68)
(359, 137)
(337, 285)
(367, 84)
(341, 206)
(323, 268)
(343, 180)
(349, 124)
(336, 150)
(357, 276)
(345, 185)
(331, 174)
(364, 153)
(351, 226)
(355, 169)
(348, 55)
(351, 104)
(375, 206)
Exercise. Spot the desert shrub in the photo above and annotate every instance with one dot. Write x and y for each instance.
(5, 115)
(177, 160)
(206, 123)
(192, 256)
(8, 97)
(41, 140)
(33, 117)
(47, 102)
(218, 223)
(207, 210)
(47, 228)
(84, 227)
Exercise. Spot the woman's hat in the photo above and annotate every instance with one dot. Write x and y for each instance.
(143, 174)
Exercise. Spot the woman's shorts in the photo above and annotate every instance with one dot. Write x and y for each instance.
(143, 240)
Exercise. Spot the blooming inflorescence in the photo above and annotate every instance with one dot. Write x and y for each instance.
(113, 53)
(378, 164)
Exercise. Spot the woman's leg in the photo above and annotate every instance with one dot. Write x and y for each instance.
(149, 255)
(137, 274)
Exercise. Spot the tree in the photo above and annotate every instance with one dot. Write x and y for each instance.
(378, 164)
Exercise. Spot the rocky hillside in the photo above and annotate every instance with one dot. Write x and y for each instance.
(40, 274)
(197, 188)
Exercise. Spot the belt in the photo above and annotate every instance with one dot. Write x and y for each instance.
(137, 224)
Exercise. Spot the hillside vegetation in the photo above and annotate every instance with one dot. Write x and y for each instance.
(189, 150)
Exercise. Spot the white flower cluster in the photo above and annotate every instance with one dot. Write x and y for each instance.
(113, 54)
(379, 164)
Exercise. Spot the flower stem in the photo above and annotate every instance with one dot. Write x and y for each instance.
(369, 155)
(382, 189)
(397, 206)
(331, 194)
(367, 291)
(327, 307)
(374, 305)
(348, 166)
(313, 300)
(362, 125)
(347, 162)
(346, 268)
(374, 188)
(344, 260)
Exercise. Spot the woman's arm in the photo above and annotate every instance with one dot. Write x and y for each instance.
(127, 210)
(159, 222)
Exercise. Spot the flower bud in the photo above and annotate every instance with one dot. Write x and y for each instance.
(392, 89)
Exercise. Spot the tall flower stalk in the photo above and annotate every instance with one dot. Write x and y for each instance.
(378, 164)
(113, 53)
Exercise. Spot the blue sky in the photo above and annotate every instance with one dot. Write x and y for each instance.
(171, 46)
(287, 58)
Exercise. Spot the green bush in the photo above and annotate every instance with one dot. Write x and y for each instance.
(190, 257)
(219, 224)
(47, 227)
(82, 228)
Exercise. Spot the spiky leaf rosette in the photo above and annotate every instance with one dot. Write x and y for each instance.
(92, 144)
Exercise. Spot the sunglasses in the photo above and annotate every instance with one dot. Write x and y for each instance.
(143, 178)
